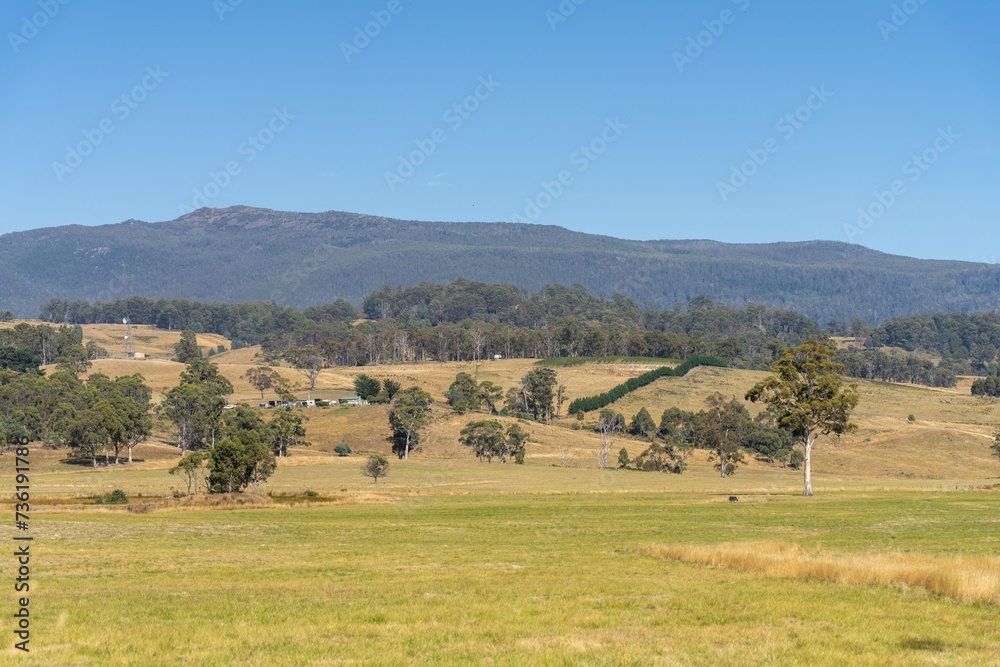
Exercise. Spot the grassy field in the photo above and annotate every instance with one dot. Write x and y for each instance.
(503, 579)
(449, 561)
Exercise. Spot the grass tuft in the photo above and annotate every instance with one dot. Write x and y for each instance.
(964, 579)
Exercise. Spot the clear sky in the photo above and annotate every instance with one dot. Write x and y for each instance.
(734, 120)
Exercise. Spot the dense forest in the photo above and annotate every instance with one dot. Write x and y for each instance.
(966, 343)
(466, 320)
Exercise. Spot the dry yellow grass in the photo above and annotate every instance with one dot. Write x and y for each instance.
(963, 579)
(948, 440)
(147, 339)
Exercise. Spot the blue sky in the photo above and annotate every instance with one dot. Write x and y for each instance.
(736, 120)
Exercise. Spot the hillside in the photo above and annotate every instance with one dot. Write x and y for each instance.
(300, 259)
(948, 439)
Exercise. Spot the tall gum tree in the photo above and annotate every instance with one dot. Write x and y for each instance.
(808, 396)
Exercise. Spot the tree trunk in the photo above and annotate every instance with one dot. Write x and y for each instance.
(406, 453)
(807, 467)
(130, 455)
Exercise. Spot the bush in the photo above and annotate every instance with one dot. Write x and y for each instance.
(116, 497)
(376, 466)
(796, 459)
(343, 449)
(623, 458)
(988, 386)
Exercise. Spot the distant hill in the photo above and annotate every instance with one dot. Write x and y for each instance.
(244, 254)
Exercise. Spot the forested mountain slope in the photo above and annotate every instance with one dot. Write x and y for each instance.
(300, 259)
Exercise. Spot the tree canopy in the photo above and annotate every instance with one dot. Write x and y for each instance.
(809, 398)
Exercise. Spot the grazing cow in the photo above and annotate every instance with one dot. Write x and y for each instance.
(734, 499)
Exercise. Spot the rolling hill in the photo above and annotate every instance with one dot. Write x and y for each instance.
(301, 259)
(948, 438)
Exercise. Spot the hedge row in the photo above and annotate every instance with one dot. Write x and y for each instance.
(591, 403)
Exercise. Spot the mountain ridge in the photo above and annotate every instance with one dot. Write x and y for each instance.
(244, 253)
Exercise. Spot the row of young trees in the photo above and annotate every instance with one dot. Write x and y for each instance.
(591, 403)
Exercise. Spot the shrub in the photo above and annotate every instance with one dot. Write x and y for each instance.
(376, 466)
(796, 459)
(343, 449)
(116, 497)
(988, 386)
(623, 458)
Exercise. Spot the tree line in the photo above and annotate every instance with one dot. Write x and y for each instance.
(470, 321)
(968, 343)
(903, 368)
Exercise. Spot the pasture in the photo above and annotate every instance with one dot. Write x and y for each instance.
(449, 561)
(448, 575)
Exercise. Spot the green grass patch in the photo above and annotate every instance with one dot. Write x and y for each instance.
(556, 579)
